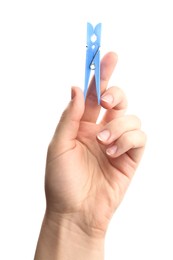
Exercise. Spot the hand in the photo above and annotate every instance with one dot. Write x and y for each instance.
(90, 164)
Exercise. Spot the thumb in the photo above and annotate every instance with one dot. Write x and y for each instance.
(67, 129)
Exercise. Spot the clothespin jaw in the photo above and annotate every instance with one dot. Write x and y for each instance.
(93, 57)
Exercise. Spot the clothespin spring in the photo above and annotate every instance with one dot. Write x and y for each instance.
(92, 65)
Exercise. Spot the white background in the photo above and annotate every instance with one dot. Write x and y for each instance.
(42, 53)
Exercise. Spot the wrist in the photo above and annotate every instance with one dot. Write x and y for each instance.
(62, 238)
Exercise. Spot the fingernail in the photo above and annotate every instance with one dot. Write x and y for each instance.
(108, 98)
(112, 150)
(104, 135)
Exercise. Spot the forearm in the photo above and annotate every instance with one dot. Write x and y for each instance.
(65, 241)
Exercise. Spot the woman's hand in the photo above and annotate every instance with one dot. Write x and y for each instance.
(90, 164)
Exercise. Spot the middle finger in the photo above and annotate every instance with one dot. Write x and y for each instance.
(113, 130)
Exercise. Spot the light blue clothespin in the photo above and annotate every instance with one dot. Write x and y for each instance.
(93, 57)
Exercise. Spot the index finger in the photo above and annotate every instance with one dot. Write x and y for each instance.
(115, 102)
(92, 109)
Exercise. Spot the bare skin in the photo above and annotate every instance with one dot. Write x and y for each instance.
(89, 168)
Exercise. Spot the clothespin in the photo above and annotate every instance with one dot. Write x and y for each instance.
(93, 57)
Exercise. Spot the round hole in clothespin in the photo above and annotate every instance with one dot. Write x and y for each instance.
(93, 46)
(93, 38)
(92, 66)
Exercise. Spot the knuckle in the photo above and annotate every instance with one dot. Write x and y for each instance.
(137, 121)
(128, 139)
(120, 123)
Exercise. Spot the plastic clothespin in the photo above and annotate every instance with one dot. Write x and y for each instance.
(93, 57)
